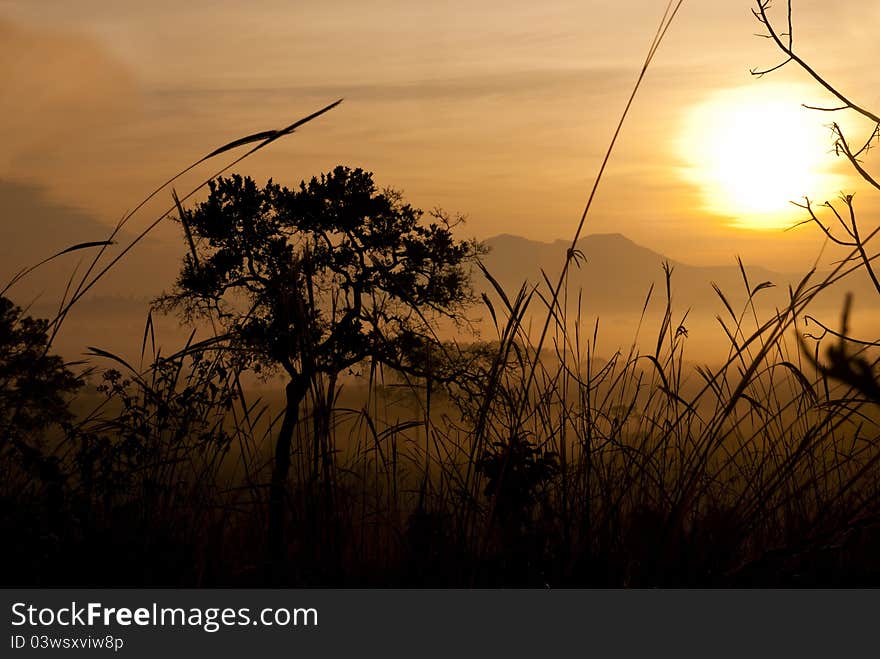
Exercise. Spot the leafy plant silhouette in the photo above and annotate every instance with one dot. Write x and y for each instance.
(516, 473)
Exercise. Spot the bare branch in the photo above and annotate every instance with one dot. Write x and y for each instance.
(762, 72)
(807, 206)
(788, 48)
(821, 109)
(853, 159)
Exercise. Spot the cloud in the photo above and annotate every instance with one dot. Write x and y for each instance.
(527, 83)
(59, 91)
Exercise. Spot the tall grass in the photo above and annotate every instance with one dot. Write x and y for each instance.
(634, 469)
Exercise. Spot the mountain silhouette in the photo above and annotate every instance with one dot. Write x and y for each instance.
(616, 274)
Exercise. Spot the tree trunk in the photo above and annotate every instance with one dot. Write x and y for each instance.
(295, 391)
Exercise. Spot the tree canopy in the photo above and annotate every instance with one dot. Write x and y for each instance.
(318, 278)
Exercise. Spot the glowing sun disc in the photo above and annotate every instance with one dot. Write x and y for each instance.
(752, 151)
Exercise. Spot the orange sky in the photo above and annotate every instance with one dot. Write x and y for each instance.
(499, 110)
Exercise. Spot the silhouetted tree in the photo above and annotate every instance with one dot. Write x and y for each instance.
(34, 384)
(315, 280)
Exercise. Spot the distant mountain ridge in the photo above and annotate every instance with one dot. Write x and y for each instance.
(617, 273)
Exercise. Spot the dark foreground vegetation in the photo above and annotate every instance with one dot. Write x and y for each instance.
(513, 460)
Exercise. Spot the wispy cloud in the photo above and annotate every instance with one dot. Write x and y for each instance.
(59, 92)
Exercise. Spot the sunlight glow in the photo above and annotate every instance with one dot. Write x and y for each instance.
(752, 151)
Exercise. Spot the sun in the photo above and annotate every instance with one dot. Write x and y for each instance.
(752, 151)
